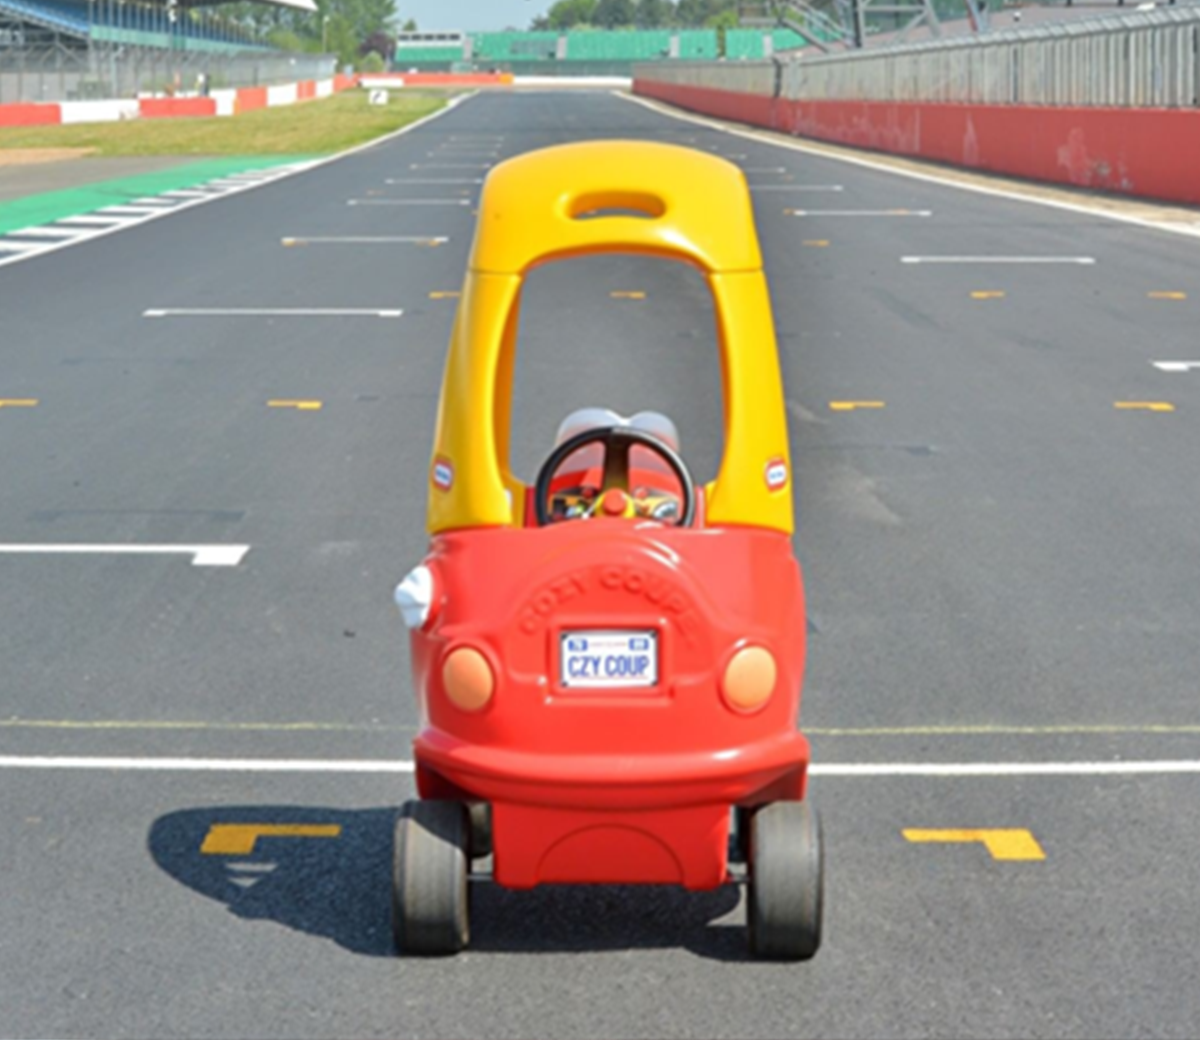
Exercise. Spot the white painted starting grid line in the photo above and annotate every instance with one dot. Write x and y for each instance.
(997, 259)
(357, 240)
(409, 202)
(848, 770)
(860, 212)
(202, 555)
(272, 312)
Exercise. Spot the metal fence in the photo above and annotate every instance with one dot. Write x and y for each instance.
(1144, 59)
(57, 73)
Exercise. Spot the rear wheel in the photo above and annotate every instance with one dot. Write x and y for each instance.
(784, 901)
(429, 878)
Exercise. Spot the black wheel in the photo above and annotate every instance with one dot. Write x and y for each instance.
(429, 878)
(481, 830)
(783, 909)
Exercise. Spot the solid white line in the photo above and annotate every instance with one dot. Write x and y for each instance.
(1176, 366)
(408, 202)
(271, 312)
(990, 769)
(380, 766)
(20, 247)
(187, 193)
(140, 211)
(916, 175)
(154, 202)
(366, 239)
(997, 259)
(202, 555)
(203, 765)
(861, 213)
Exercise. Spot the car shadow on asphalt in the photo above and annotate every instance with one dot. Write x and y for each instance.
(327, 872)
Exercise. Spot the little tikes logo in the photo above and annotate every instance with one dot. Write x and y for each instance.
(777, 474)
(442, 474)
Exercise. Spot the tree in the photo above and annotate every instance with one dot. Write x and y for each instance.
(378, 43)
(611, 14)
(567, 13)
(654, 14)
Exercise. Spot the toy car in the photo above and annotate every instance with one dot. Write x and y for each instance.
(608, 662)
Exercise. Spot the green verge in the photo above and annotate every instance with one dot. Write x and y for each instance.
(311, 128)
(256, 140)
(50, 206)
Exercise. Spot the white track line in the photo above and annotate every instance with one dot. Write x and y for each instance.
(855, 770)
(861, 213)
(202, 555)
(820, 149)
(297, 240)
(271, 312)
(997, 259)
(20, 247)
(409, 202)
(796, 187)
(433, 180)
(1176, 366)
(46, 232)
(88, 220)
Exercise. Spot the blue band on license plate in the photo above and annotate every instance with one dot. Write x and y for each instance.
(608, 660)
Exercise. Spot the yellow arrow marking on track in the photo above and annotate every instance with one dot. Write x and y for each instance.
(238, 839)
(987, 294)
(1146, 406)
(18, 402)
(303, 406)
(850, 406)
(816, 243)
(1002, 844)
(444, 295)
(628, 295)
(1166, 295)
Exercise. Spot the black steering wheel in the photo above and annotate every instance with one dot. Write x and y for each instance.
(618, 441)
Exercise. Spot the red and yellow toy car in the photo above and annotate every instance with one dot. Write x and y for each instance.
(609, 662)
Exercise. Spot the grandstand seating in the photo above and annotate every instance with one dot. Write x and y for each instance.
(132, 23)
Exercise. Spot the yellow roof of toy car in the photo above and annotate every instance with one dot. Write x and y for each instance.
(694, 206)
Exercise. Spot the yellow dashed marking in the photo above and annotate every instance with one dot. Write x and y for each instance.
(1002, 844)
(238, 839)
(1146, 406)
(293, 242)
(816, 243)
(303, 406)
(18, 402)
(444, 295)
(632, 295)
(987, 294)
(850, 406)
(1167, 295)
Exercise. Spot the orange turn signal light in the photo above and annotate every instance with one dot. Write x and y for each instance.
(749, 678)
(468, 679)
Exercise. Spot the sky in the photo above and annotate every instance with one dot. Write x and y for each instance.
(481, 15)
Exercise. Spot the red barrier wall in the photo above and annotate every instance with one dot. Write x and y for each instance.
(250, 98)
(344, 83)
(29, 115)
(1147, 152)
(306, 90)
(169, 108)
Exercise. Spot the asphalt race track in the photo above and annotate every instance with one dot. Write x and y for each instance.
(1000, 540)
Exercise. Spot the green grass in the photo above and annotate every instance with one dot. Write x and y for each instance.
(310, 128)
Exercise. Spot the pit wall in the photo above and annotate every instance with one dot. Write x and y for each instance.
(218, 103)
(1147, 152)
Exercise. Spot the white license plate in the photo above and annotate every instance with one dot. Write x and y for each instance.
(608, 660)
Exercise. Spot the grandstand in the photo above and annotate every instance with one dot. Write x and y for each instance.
(66, 49)
(582, 52)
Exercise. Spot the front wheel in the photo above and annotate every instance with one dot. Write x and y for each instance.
(784, 902)
(429, 878)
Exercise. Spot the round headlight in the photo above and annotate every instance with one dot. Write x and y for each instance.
(749, 678)
(468, 679)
